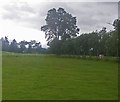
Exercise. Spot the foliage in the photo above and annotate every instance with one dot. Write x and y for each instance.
(61, 33)
(5, 44)
(22, 47)
(59, 24)
(13, 46)
(116, 24)
(91, 44)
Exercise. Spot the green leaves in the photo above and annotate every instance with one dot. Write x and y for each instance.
(59, 24)
(116, 24)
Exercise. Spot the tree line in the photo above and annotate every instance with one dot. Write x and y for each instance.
(93, 44)
(21, 47)
(62, 32)
(62, 35)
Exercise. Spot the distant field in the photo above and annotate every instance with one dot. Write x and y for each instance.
(44, 77)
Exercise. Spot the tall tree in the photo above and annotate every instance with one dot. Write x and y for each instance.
(116, 24)
(5, 44)
(37, 47)
(14, 46)
(60, 25)
(23, 46)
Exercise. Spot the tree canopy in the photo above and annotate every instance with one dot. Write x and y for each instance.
(60, 25)
(21, 47)
(93, 44)
(116, 24)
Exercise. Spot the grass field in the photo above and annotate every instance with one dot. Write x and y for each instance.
(0, 74)
(42, 77)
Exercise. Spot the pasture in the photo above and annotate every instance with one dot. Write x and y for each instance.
(44, 77)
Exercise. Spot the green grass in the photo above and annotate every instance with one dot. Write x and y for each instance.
(44, 77)
(0, 76)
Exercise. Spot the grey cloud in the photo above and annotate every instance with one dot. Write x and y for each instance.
(17, 10)
(97, 15)
(21, 13)
(89, 15)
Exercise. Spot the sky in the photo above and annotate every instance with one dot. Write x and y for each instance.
(22, 19)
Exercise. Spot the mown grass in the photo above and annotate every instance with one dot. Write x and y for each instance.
(44, 77)
(0, 74)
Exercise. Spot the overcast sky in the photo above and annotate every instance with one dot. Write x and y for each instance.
(22, 19)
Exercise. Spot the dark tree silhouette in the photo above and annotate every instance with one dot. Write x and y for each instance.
(5, 44)
(23, 46)
(116, 24)
(13, 46)
(60, 25)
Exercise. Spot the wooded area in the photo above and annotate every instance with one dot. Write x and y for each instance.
(62, 35)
